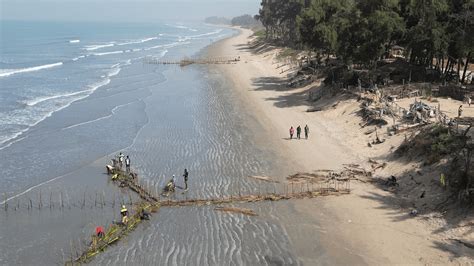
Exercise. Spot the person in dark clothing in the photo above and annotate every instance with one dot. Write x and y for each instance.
(185, 175)
(127, 164)
(298, 132)
(460, 111)
(145, 215)
(306, 132)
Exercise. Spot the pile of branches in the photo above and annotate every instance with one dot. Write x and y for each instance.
(113, 234)
(420, 113)
(374, 114)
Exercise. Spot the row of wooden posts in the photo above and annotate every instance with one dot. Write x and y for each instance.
(50, 201)
(58, 201)
(188, 61)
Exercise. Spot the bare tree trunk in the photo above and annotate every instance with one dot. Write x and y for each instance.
(466, 66)
(459, 69)
(468, 167)
(447, 66)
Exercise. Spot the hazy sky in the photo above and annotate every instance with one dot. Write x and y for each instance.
(124, 10)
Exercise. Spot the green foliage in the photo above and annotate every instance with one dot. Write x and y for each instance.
(245, 21)
(279, 19)
(320, 23)
(363, 31)
(434, 143)
(259, 34)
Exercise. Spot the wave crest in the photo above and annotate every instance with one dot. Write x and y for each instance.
(9, 72)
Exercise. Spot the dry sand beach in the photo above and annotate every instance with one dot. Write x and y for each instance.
(371, 224)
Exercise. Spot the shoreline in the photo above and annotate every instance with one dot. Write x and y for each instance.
(365, 225)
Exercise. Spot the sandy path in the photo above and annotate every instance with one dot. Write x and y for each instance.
(364, 223)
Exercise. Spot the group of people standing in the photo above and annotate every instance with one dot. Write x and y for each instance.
(120, 160)
(298, 132)
(171, 185)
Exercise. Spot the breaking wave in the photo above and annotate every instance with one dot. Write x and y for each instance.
(9, 72)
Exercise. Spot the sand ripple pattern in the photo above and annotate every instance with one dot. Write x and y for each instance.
(196, 125)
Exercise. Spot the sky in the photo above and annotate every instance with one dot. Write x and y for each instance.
(124, 10)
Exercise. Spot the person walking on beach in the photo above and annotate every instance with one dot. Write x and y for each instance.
(298, 132)
(127, 164)
(292, 132)
(460, 111)
(306, 132)
(185, 175)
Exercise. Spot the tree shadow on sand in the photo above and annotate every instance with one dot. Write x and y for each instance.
(255, 47)
(293, 97)
(296, 96)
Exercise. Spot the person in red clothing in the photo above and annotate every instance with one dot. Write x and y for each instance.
(99, 231)
(292, 132)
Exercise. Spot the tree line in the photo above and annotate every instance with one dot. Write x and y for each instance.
(435, 33)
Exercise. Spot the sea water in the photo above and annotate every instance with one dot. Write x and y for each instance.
(47, 66)
(73, 95)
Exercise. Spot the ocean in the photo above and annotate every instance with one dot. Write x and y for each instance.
(73, 95)
(47, 66)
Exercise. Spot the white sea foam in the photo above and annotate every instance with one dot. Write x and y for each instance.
(198, 36)
(13, 142)
(88, 122)
(79, 57)
(114, 72)
(170, 45)
(74, 41)
(9, 72)
(163, 53)
(181, 27)
(30, 189)
(138, 41)
(98, 46)
(39, 100)
(80, 95)
(205, 34)
(108, 53)
(98, 119)
(69, 99)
